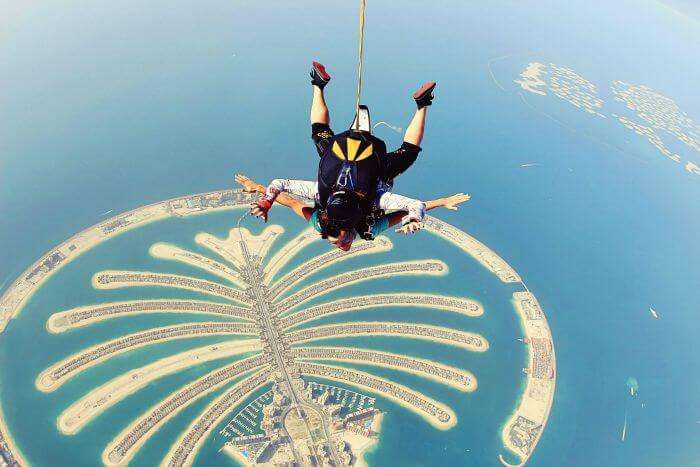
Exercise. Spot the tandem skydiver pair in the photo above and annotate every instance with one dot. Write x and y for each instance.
(352, 195)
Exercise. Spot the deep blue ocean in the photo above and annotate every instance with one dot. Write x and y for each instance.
(108, 106)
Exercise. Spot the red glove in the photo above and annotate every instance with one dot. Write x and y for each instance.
(260, 208)
(264, 204)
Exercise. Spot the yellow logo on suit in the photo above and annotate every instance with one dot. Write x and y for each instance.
(352, 146)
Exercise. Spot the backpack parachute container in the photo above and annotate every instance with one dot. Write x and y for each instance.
(362, 121)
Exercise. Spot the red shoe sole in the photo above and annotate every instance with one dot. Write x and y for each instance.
(321, 70)
(427, 87)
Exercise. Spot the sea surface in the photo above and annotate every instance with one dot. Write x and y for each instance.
(110, 106)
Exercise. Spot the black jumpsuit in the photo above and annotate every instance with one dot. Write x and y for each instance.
(373, 163)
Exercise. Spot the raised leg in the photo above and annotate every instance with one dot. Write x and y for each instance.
(423, 97)
(319, 79)
(319, 109)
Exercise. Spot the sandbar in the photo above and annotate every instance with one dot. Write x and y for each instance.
(405, 268)
(289, 251)
(53, 377)
(444, 374)
(110, 279)
(231, 248)
(81, 412)
(90, 314)
(128, 442)
(172, 252)
(467, 340)
(463, 306)
(318, 263)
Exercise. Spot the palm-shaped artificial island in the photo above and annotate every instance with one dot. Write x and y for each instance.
(274, 349)
(276, 346)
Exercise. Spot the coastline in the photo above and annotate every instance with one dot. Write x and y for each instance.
(141, 440)
(17, 294)
(166, 251)
(245, 385)
(402, 268)
(235, 454)
(467, 306)
(63, 321)
(471, 341)
(93, 404)
(470, 386)
(442, 426)
(46, 381)
(367, 445)
(289, 251)
(381, 244)
(109, 279)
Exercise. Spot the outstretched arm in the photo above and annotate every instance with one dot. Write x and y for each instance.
(250, 186)
(451, 202)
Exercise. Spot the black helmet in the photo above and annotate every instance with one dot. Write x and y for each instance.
(342, 211)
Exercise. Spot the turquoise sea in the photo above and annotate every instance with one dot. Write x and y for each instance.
(110, 106)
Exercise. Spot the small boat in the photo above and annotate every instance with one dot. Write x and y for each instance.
(106, 212)
(624, 429)
(653, 313)
(531, 164)
(633, 386)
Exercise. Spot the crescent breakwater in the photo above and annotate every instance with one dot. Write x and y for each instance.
(524, 428)
(522, 431)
